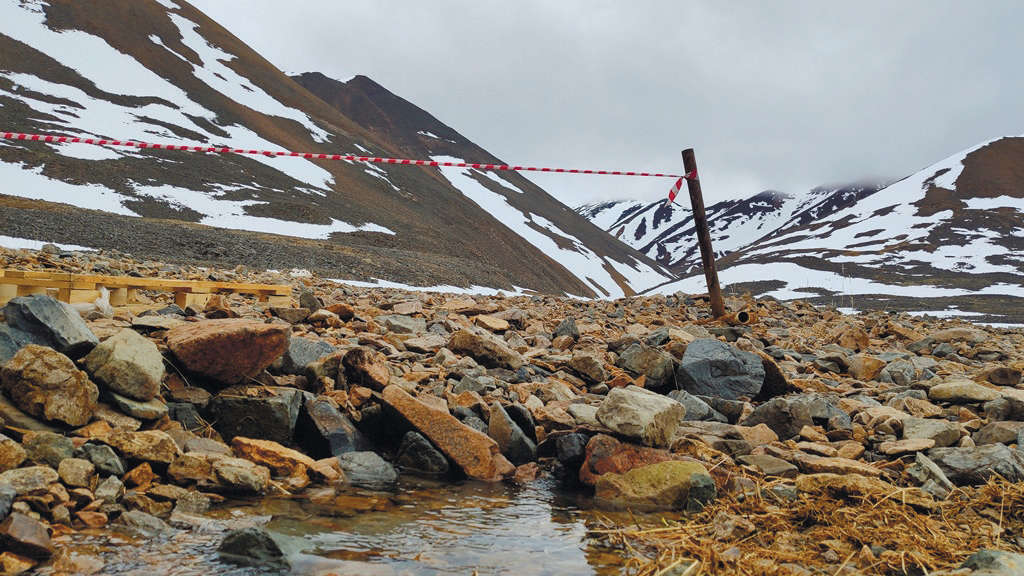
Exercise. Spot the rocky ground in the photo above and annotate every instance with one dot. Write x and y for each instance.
(804, 442)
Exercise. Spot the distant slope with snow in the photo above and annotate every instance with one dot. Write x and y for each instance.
(164, 72)
(950, 236)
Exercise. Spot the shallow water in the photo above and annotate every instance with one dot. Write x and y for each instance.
(421, 529)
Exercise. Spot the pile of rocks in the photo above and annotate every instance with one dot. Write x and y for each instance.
(645, 402)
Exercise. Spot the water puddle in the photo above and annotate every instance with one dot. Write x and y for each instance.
(422, 529)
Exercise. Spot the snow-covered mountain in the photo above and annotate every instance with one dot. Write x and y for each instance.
(160, 70)
(947, 240)
(666, 233)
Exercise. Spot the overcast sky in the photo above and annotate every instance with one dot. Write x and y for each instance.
(772, 95)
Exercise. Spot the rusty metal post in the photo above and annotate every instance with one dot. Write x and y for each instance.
(700, 222)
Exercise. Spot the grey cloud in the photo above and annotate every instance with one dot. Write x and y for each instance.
(782, 95)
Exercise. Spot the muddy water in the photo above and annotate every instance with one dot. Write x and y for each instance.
(422, 528)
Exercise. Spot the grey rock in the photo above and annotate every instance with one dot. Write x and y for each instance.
(657, 366)
(368, 470)
(127, 364)
(302, 351)
(110, 490)
(770, 465)
(696, 409)
(1001, 432)
(264, 412)
(640, 414)
(12, 340)
(899, 372)
(47, 448)
(153, 409)
(1006, 408)
(416, 455)
(713, 368)
(930, 477)
(584, 415)
(567, 327)
(7, 496)
(972, 466)
(943, 350)
(512, 441)
(322, 430)
(252, 547)
(289, 314)
(52, 322)
(784, 415)
(144, 523)
(944, 432)
(103, 457)
(995, 563)
(571, 450)
(401, 324)
(523, 418)
(309, 301)
(187, 414)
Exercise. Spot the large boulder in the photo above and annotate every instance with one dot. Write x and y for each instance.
(322, 430)
(669, 485)
(50, 322)
(128, 364)
(513, 442)
(485, 349)
(643, 360)
(46, 384)
(474, 452)
(713, 368)
(265, 412)
(228, 351)
(641, 414)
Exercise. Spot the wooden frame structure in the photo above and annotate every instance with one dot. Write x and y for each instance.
(74, 288)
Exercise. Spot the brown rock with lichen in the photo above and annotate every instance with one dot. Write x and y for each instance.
(46, 384)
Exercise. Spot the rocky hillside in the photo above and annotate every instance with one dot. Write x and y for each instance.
(946, 240)
(162, 71)
(806, 442)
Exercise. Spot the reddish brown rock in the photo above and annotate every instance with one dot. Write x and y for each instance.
(228, 351)
(366, 367)
(476, 453)
(606, 454)
(141, 475)
(342, 310)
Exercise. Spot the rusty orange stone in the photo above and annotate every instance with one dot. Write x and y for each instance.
(473, 451)
(229, 351)
(607, 455)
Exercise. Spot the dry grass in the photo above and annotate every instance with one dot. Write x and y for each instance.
(826, 535)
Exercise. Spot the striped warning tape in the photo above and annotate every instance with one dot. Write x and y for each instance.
(315, 156)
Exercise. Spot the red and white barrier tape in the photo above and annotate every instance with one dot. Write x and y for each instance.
(315, 156)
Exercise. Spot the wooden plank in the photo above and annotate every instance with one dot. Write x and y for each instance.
(118, 296)
(186, 299)
(67, 283)
(7, 291)
(81, 296)
(29, 290)
(279, 300)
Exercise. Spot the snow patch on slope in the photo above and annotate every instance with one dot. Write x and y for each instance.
(579, 260)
